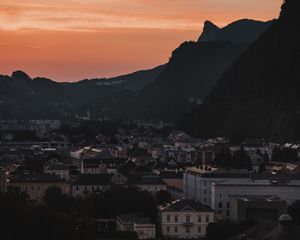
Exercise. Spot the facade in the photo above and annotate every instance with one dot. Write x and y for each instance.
(35, 185)
(197, 181)
(259, 208)
(99, 165)
(59, 170)
(173, 179)
(90, 183)
(148, 182)
(287, 190)
(185, 219)
(136, 222)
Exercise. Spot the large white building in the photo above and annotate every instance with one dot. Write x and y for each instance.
(185, 219)
(214, 187)
(287, 190)
(197, 181)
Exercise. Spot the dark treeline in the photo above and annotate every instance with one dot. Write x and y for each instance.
(61, 216)
(237, 160)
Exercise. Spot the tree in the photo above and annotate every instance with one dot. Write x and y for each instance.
(162, 197)
(55, 200)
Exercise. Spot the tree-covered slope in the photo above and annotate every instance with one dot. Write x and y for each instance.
(259, 95)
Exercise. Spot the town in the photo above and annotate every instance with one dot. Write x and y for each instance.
(145, 180)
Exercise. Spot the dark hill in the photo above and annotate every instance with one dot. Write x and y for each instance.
(193, 70)
(259, 94)
(24, 98)
(244, 30)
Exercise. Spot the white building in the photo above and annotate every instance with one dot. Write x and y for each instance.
(287, 190)
(185, 219)
(197, 181)
(136, 222)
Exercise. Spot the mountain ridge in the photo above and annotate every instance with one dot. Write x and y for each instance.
(258, 96)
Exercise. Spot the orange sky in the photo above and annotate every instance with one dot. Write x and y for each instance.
(69, 40)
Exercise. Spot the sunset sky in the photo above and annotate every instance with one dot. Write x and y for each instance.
(69, 40)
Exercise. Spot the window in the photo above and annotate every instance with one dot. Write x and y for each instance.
(187, 229)
(220, 205)
(176, 218)
(228, 204)
(175, 229)
(168, 229)
(228, 213)
(207, 218)
(199, 229)
(168, 218)
(188, 218)
(199, 218)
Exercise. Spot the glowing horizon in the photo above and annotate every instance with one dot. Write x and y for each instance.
(69, 40)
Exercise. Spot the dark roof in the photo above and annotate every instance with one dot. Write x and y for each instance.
(57, 167)
(93, 179)
(97, 161)
(182, 204)
(171, 175)
(36, 178)
(145, 179)
(136, 217)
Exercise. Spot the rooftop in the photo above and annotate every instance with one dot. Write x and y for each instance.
(35, 178)
(258, 182)
(134, 218)
(185, 204)
(256, 198)
(93, 179)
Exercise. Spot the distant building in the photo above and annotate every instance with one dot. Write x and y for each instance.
(147, 182)
(221, 191)
(92, 153)
(185, 219)
(90, 183)
(136, 222)
(100, 165)
(173, 179)
(197, 181)
(61, 170)
(258, 208)
(35, 185)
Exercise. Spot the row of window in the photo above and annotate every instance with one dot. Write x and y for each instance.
(188, 218)
(187, 229)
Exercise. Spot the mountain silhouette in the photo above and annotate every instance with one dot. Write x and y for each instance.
(259, 95)
(193, 70)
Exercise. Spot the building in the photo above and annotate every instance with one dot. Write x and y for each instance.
(136, 222)
(90, 183)
(35, 185)
(92, 153)
(287, 190)
(148, 182)
(197, 181)
(173, 179)
(259, 208)
(61, 170)
(100, 165)
(185, 219)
